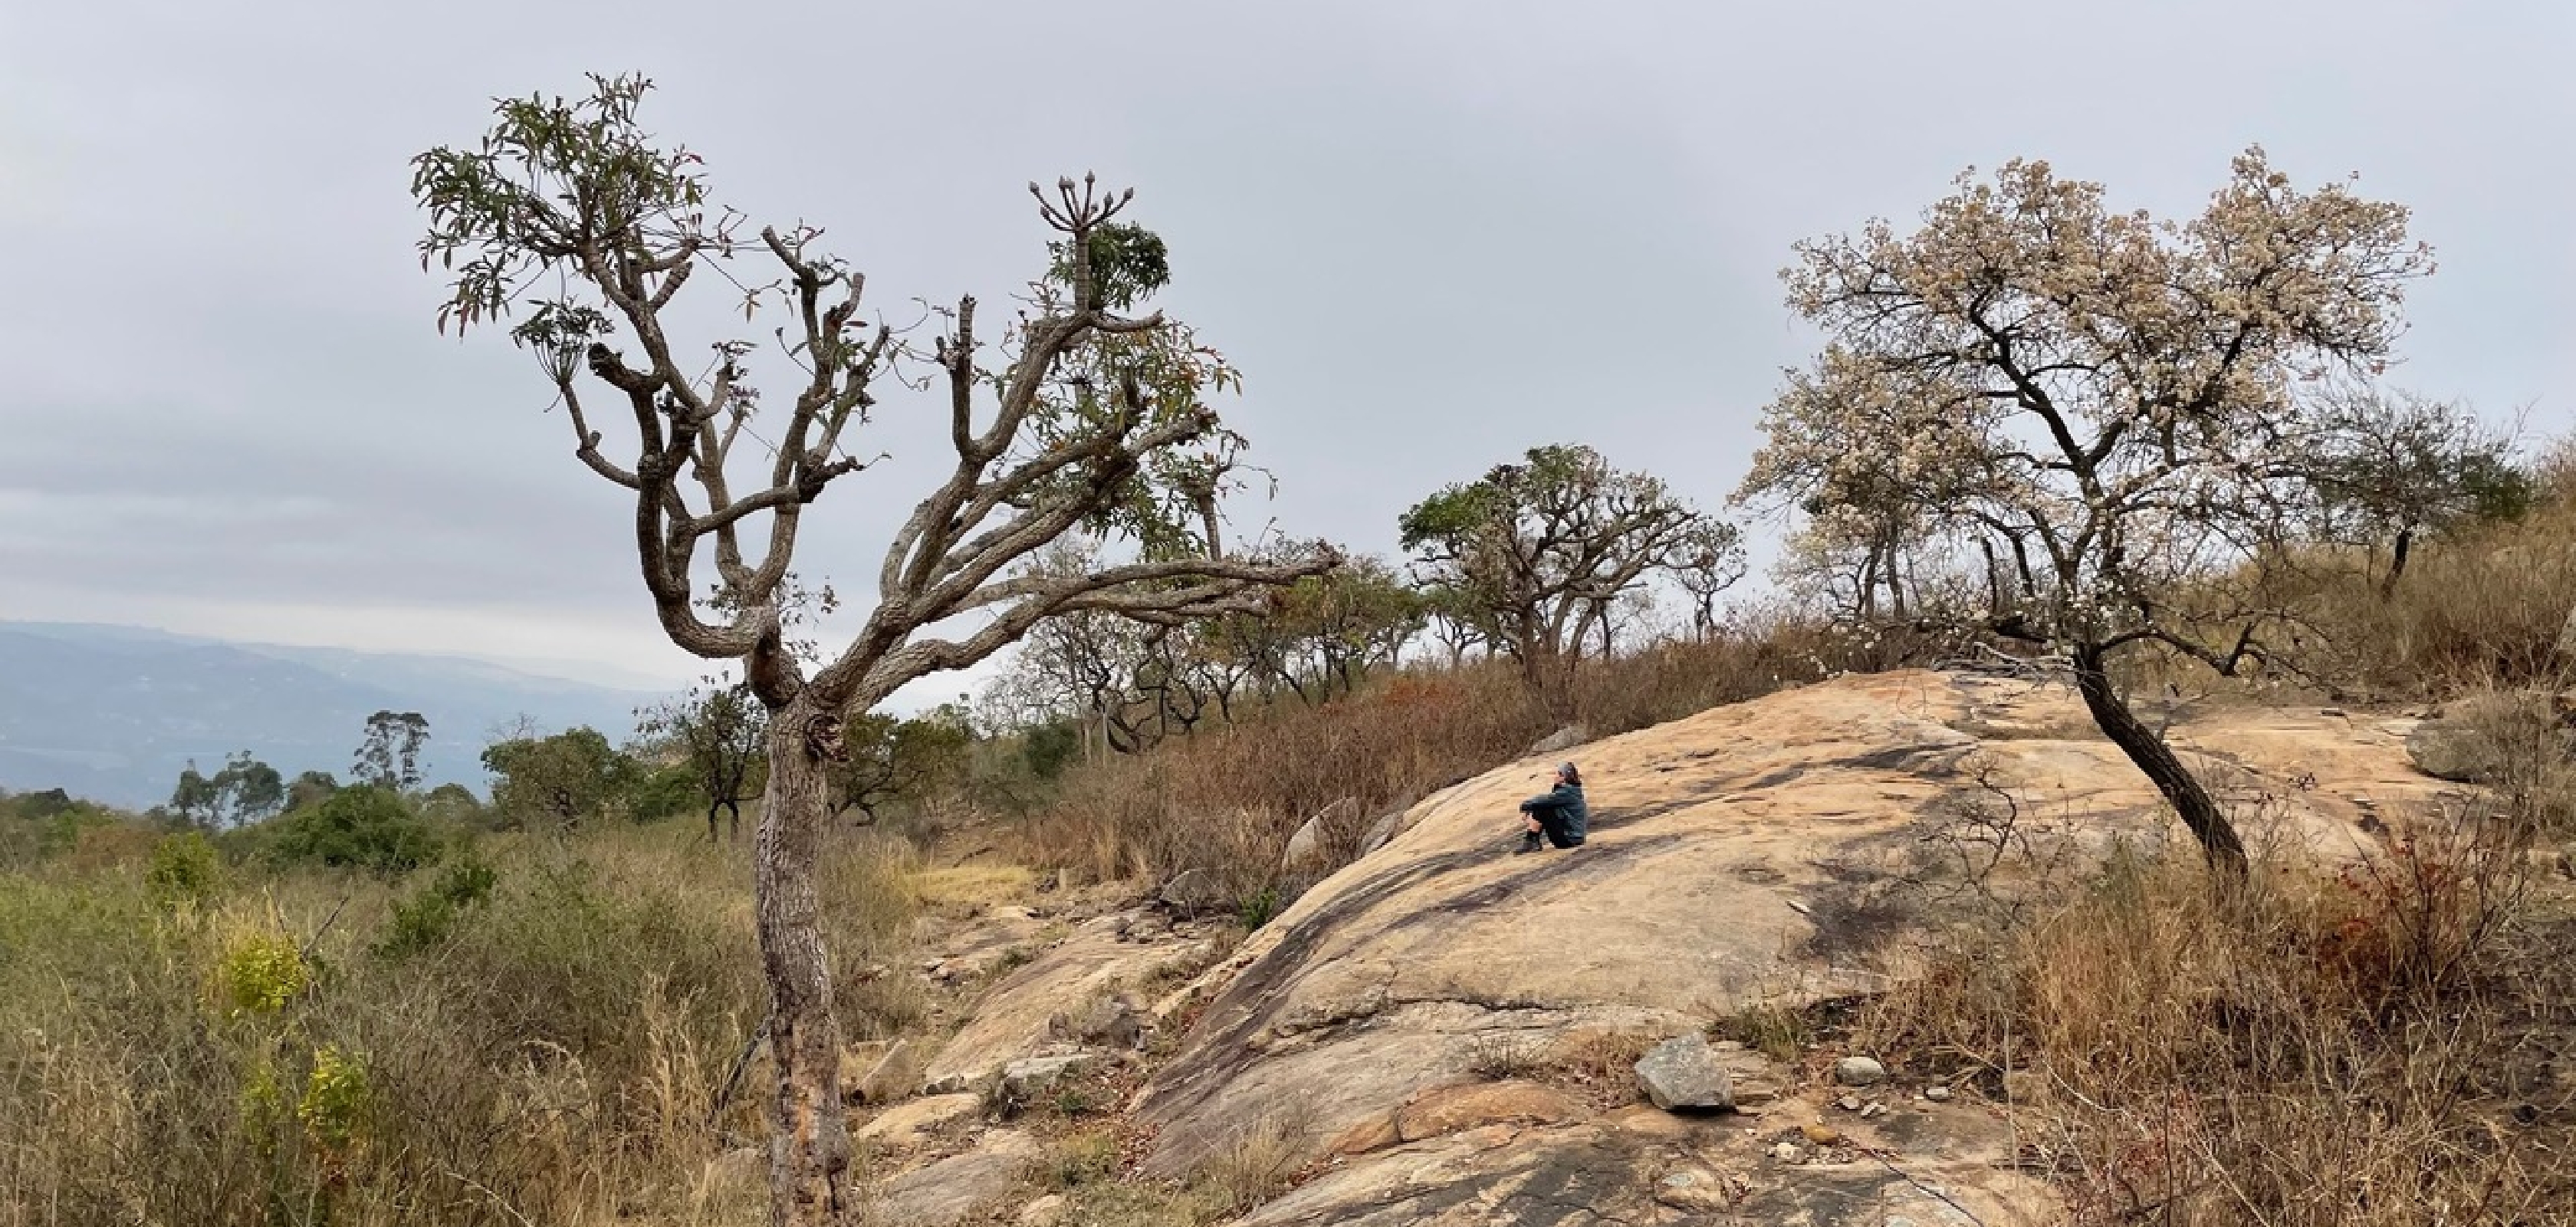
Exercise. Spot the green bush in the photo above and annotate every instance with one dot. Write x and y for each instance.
(184, 869)
(427, 918)
(663, 792)
(357, 828)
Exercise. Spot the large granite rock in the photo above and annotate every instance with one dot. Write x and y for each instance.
(1750, 854)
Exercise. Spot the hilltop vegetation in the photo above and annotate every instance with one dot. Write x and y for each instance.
(2156, 462)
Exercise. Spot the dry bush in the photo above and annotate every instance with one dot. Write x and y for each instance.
(2483, 605)
(1257, 1165)
(1225, 801)
(2307, 1049)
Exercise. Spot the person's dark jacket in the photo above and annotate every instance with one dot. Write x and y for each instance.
(1562, 812)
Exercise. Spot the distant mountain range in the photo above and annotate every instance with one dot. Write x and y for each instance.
(113, 713)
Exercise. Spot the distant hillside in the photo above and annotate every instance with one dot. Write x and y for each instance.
(114, 713)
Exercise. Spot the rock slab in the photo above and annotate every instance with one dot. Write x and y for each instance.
(953, 1188)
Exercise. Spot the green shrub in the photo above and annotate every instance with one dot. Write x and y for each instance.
(425, 919)
(663, 792)
(357, 828)
(261, 972)
(184, 869)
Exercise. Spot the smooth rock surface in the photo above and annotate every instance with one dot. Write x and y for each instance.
(909, 1124)
(948, 1191)
(1752, 854)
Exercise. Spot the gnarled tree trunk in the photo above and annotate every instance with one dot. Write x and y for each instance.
(2190, 799)
(810, 1153)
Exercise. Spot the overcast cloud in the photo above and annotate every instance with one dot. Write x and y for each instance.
(1432, 235)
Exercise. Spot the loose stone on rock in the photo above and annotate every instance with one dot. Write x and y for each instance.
(1859, 1071)
(1683, 1075)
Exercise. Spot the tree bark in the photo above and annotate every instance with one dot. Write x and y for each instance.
(2184, 791)
(810, 1148)
(2397, 552)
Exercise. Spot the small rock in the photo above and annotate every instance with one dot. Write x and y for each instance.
(1306, 847)
(1566, 738)
(2330, 711)
(1859, 1071)
(1116, 1021)
(1683, 1075)
(1026, 1079)
(1872, 1110)
(892, 1075)
(1194, 892)
(1693, 1190)
(1937, 1093)
(1787, 1152)
(1727, 1046)
(1046, 1211)
(1821, 1135)
(1382, 832)
(959, 1083)
(1848, 1103)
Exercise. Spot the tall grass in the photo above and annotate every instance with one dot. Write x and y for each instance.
(2311, 1049)
(258, 1054)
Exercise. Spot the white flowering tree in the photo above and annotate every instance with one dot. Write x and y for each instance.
(1078, 416)
(2120, 405)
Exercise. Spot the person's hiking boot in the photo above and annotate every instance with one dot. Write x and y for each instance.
(1529, 843)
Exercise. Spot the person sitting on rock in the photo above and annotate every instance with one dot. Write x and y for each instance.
(1559, 813)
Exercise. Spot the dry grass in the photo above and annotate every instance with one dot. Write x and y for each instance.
(1226, 801)
(555, 1059)
(2351, 1050)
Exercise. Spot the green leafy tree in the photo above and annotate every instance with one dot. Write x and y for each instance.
(1537, 555)
(719, 731)
(195, 801)
(389, 757)
(902, 761)
(310, 788)
(361, 827)
(559, 781)
(1078, 417)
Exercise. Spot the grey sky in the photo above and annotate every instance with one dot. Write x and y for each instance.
(1431, 234)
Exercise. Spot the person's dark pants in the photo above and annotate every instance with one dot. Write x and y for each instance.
(1559, 832)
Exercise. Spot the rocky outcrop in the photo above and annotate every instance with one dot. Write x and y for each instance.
(1061, 985)
(948, 1191)
(1752, 854)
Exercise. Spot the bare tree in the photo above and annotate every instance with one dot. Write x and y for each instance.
(2127, 398)
(2397, 465)
(1082, 418)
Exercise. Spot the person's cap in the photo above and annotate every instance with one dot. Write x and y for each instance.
(1566, 769)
